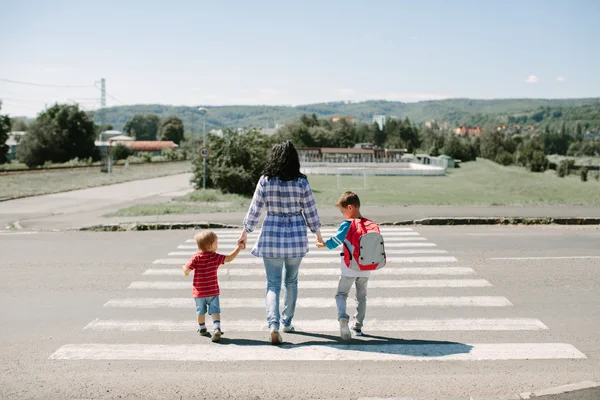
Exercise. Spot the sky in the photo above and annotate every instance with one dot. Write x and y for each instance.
(294, 52)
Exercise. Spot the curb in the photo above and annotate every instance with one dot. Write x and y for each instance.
(158, 226)
(553, 393)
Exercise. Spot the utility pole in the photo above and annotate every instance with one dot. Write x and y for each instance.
(203, 111)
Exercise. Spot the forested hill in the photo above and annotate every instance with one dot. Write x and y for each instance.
(455, 111)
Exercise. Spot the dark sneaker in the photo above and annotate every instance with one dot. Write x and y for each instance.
(216, 335)
(203, 332)
(357, 331)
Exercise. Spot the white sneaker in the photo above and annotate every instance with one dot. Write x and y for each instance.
(289, 328)
(344, 330)
(275, 337)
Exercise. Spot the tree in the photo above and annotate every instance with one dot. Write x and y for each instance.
(19, 125)
(59, 134)
(578, 132)
(379, 136)
(236, 161)
(583, 174)
(172, 129)
(539, 162)
(143, 127)
(4, 131)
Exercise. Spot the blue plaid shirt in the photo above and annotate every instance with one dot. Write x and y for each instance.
(291, 208)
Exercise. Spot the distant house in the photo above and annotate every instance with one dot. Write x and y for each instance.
(13, 142)
(120, 138)
(107, 135)
(468, 132)
(141, 146)
(379, 120)
(349, 119)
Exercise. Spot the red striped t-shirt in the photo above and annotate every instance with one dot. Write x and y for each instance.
(205, 265)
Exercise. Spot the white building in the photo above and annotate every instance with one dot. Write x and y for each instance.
(379, 120)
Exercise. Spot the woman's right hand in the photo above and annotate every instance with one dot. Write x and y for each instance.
(243, 238)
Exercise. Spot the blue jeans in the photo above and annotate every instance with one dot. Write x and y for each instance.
(274, 267)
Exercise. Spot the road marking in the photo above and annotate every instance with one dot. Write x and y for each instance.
(329, 284)
(317, 260)
(318, 302)
(329, 253)
(387, 246)
(441, 351)
(329, 325)
(17, 233)
(224, 271)
(548, 258)
(252, 239)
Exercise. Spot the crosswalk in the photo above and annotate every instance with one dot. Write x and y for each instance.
(449, 300)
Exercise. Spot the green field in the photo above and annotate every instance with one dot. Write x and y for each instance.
(15, 185)
(476, 183)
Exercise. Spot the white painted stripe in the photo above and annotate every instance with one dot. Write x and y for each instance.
(548, 258)
(329, 253)
(231, 247)
(6, 233)
(318, 260)
(318, 302)
(324, 232)
(329, 284)
(252, 239)
(322, 352)
(329, 325)
(223, 271)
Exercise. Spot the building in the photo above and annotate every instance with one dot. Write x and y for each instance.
(141, 146)
(443, 125)
(106, 135)
(120, 138)
(468, 132)
(13, 142)
(349, 119)
(379, 120)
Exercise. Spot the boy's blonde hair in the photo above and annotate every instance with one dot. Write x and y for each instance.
(348, 199)
(205, 239)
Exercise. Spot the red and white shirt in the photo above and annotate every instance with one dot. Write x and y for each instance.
(205, 265)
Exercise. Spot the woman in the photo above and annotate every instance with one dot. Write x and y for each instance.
(282, 243)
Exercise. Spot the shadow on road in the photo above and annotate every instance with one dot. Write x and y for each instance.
(375, 344)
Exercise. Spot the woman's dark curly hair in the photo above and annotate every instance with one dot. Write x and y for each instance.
(283, 163)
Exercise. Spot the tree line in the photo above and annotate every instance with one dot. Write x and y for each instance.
(64, 132)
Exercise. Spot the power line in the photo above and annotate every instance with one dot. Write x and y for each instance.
(44, 84)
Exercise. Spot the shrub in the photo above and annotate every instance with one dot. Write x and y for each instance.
(145, 156)
(539, 161)
(505, 158)
(170, 154)
(583, 174)
(121, 152)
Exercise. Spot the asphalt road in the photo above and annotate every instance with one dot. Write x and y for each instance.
(74, 323)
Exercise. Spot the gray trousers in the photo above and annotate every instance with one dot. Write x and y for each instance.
(341, 296)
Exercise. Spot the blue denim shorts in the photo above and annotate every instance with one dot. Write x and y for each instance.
(207, 303)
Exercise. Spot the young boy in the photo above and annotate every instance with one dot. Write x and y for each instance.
(205, 264)
(349, 205)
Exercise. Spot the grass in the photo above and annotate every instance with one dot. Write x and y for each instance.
(15, 185)
(475, 183)
(197, 202)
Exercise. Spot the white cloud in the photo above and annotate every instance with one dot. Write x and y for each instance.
(345, 92)
(394, 96)
(560, 79)
(532, 79)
